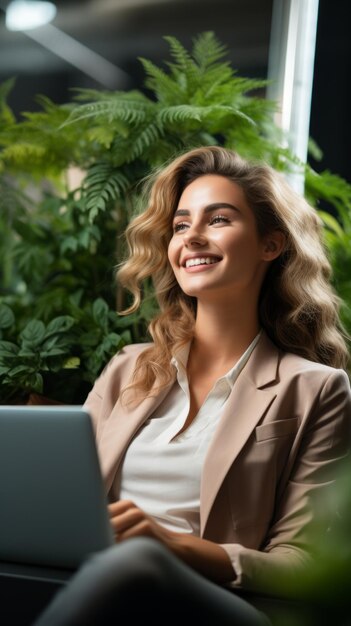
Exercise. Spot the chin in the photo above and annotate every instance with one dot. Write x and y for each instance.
(197, 293)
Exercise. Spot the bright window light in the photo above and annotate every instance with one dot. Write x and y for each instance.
(28, 14)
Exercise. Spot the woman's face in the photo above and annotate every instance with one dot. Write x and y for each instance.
(215, 250)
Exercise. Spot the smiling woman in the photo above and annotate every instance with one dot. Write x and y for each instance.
(217, 437)
(296, 304)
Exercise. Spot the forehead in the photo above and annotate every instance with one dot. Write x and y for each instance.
(212, 189)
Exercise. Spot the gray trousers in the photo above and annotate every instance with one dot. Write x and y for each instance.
(140, 578)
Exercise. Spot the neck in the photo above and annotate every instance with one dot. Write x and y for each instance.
(223, 333)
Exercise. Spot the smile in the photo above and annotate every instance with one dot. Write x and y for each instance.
(201, 261)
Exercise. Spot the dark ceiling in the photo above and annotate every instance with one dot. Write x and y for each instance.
(120, 31)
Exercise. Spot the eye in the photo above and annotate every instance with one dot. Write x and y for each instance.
(179, 226)
(217, 219)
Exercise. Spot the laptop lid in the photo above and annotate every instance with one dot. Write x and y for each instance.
(53, 505)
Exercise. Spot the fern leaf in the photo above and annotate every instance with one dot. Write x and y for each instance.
(207, 50)
(179, 53)
(331, 188)
(181, 113)
(20, 152)
(163, 86)
(186, 112)
(148, 137)
(130, 111)
(184, 70)
(103, 185)
(104, 134)
(331, 223)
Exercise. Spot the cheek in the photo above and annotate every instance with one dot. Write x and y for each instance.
(242, 241)
(171, 254)
(173, 251)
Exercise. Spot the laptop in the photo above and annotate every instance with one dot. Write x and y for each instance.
(53, 504)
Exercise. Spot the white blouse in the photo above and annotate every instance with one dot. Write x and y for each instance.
(161, 470)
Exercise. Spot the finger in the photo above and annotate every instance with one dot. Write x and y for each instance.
(123, 521)
(120, 506)
(142, 529)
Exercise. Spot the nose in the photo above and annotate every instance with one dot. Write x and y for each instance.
(194, 237)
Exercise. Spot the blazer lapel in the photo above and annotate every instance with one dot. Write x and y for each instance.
(250, 398)
(124, 420)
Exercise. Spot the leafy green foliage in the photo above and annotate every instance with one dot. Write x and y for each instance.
(38, 348)
(338, 241)
(60, 242)
(336, 194)
(40, 354)
(103, 185)
(61, 268)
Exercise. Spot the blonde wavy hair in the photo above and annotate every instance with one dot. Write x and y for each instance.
(298, 307)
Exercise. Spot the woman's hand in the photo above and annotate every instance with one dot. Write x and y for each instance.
(128, 520)
(207, 557)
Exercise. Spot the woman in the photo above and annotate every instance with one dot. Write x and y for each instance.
(217, 438)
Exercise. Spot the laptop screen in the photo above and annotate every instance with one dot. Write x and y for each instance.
(52, 499)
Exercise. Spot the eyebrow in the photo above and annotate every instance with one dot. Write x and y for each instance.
(210, 207)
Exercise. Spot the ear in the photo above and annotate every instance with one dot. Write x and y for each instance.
(273, 245)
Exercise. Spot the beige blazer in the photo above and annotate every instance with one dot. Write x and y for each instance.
(277, 447)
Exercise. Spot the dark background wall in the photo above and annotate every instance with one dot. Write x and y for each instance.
(330, 123)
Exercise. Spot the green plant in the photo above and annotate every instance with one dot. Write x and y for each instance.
(38, 348)
(61, 241)
(337, 234)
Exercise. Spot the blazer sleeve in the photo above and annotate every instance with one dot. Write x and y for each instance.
(304, 510)
(108, 386)
(96, 401)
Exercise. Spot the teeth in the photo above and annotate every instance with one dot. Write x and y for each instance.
(200, 261)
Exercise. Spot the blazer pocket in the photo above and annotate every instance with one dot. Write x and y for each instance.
(279, 428)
